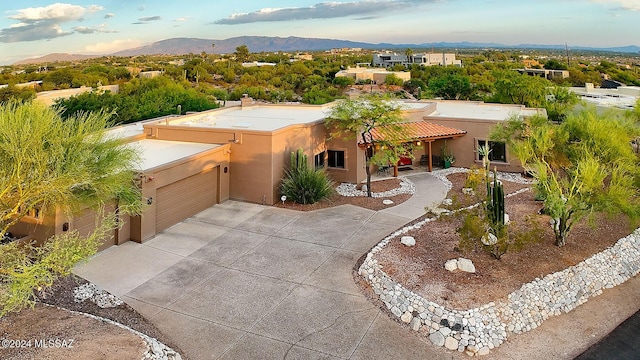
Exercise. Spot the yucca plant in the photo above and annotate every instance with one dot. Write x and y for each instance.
(303, 184)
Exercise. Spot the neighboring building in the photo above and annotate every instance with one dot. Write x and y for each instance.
(431, 59)
(49, 97)
(546, 73)
(149, 74)
(191, 162)
(529, 63)
(258, 64)
(622, 97)
(375, 75)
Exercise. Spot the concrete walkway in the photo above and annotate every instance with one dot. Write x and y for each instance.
(244, 281)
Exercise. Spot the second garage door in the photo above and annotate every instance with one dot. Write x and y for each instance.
(184, 198)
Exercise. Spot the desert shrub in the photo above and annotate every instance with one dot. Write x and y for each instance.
(305, 185)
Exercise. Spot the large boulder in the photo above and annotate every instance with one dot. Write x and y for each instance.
(408, 241)
(451, 265)
(466, 265)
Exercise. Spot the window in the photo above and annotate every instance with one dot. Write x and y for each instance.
(318, 160)
(498, 151)
(335, 159)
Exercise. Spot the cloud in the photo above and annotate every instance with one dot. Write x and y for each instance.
(181, 19)
(109, 15)
(43, 23)
(323, 10)
(113, 46)
(92, 30)
(633, 5)
(150, 18)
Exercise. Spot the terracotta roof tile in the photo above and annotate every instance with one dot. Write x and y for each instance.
(417, 130)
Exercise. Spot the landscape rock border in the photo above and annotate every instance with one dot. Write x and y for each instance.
(406, 187)
(476, 331)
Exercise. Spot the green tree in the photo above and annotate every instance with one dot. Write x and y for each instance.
(49, 164)
(393, 79)
(514, 88)
(358, 118)
(558, 102)
(242, 53)
(554, 64)
(583, 165)
(451, 87)
(13, 92)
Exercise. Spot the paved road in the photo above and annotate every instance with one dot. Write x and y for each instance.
(621, 344)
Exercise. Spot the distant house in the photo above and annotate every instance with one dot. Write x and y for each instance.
(375, 75)
(427, 59)
(546, 73)
(149, 74)
(258, 64)
(49, 97)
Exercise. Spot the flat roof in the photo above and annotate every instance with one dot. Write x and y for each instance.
(154, 153)
(480, 110)
(256, 117)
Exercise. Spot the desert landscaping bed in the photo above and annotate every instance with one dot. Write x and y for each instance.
(475, 312)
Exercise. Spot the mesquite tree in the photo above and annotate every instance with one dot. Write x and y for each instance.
(358, 118)
(583, 165)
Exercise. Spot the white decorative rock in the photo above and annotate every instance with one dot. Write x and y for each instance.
(447, 202)
(387, 202)
(489, 238)
(451, 265)
(468, 191)
(406, 317)
(466, 265)
(483, 351)
(437, 339)
(506, 218)
(408, 241)
(451, 343)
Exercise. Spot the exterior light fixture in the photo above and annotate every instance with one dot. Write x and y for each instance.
(418, 143)
(283, 198)
(149, 200)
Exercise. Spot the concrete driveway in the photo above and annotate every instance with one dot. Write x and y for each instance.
(244, 281)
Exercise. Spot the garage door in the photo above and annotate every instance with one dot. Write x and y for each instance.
(176, 202)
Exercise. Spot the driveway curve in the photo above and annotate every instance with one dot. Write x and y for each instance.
(244, 281)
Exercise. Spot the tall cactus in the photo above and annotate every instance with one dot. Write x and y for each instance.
(298, 161)
(495, 200)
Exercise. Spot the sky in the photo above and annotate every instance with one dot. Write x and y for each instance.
(36, 28)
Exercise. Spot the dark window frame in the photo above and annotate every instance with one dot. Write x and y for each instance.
(336, 159)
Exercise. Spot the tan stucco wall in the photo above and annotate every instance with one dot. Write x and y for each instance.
(354, 170)
(258, 158)
(464, 148)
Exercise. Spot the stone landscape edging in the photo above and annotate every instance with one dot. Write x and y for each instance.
(476, 331)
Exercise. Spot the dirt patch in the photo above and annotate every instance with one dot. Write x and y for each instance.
(92, 339)
(421, 268)
(50, 333)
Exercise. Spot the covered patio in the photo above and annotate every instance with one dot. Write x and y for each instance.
(419, 136)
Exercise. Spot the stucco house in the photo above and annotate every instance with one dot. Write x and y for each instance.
(192, 162)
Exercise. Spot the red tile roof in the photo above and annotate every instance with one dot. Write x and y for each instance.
(416, 130)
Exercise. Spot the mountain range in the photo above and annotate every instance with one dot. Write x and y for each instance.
(179, 46)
